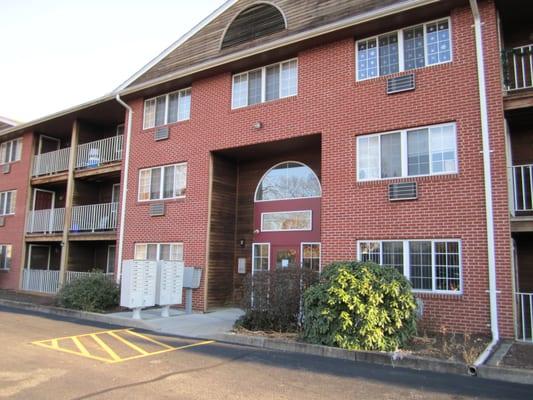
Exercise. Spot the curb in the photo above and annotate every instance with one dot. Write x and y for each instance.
(391, 359)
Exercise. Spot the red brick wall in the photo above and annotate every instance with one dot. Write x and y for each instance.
(13, 231)
(332, 103)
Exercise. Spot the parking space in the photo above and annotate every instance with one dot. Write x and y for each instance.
(112, 346)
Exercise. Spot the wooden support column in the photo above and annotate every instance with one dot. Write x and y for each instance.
(68, 202)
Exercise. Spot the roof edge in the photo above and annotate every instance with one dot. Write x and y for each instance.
(9, 121)
(177, 43)
(334, 26)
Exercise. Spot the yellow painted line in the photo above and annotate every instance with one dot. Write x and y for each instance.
(164, 351)
(129, 344)
(106, 360)
(82, 335)
(80, 346)
(104, 346)
(54, 344)
(150, 339)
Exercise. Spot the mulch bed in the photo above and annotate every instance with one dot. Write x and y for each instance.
(519, 356)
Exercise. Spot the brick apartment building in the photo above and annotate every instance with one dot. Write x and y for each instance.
(299, 133)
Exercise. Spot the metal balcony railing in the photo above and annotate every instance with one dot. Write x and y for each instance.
(46, 221)
(99, 152)
(518, 67)
(525, 316)
(51, 163)
(523, 188)
(94, 217)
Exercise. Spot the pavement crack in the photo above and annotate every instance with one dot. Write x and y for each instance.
(162, 377)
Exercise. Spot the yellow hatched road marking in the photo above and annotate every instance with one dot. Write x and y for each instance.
(149, 339)
(54, 344)
(83, 335)
(80, 346)
(106, 360)
(128, 343)
(104, 346)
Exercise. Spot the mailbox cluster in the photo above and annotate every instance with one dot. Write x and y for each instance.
(149, 283)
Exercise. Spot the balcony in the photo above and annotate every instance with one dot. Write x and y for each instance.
(51, 163)
(523, 189)
(100, 152)
(518, 68)
(46, 221)
(94, 217)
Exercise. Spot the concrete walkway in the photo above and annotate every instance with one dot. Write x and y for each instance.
(210, 325)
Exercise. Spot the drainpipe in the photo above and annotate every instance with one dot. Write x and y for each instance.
(488, 190)
(124, 187)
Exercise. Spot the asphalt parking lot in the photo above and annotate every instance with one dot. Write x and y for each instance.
(55, 358)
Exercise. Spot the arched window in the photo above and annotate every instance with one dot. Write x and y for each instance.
(254, 22)
(288, 180)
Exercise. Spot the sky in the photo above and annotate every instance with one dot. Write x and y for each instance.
(55, 54)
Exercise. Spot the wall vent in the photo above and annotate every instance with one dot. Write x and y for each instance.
(157, 209)
(401, 84)
(161, 133)
(2, 221)
(6, 169)
(402, 191)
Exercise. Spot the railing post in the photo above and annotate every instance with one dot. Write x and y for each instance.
(68, 202)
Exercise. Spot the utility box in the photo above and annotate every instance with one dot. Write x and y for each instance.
(138, 284)
(169, 284)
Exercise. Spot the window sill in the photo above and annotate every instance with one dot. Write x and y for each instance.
(403, 73)
(5, 270)
(169, 125)
(418, 178)
(439, 296)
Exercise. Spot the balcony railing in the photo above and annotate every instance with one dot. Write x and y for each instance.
(94, 217)
(523, 188)
(47, 281)
(518, 67)
(46, 221)
(51, 163)
(525, 316)
(94, 154)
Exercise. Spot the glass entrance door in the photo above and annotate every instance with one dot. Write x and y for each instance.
(285, 257)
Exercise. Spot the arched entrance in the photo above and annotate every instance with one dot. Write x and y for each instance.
(287, 218)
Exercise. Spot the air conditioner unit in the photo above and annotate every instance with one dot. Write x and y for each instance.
(6, 168)
(2, 221)
(157, 209)
(402, 191)
(401, 84)
(161, 133)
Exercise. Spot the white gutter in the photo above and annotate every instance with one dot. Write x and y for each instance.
(485, 134)
(124, 187)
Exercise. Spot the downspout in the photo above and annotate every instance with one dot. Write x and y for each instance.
(124, 187)
(488, 189)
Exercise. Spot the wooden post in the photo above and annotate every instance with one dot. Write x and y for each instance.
(65, 246)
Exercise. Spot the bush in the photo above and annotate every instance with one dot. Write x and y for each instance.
(360, 306)
(94, 292)
(273, 300)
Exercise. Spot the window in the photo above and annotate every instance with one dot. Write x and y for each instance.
(7, 202)
(159, 251)
(288, 180)
(423, 151)
(5, 256)
(286, 221)
(264, 84)
(430, 265)
(410, 48)
(311, 256)
(165, 182)
(167, 108)
(10, 151)
(261, 256)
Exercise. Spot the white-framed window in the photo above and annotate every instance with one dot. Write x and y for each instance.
(310, 255)
(110, 262)
(7, 202)
(430, 265)
(5, 256)
(166, 182)
(409, 48)
(286, 221)
(159, 251)
(267, 83)
(167, 108)
(430, 150)
(260, 257)
(10, 151)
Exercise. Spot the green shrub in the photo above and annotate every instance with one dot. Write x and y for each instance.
(95, 292)
(360, 306)
(273, 300)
